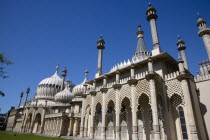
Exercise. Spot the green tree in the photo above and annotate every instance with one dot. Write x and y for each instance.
(3, 61)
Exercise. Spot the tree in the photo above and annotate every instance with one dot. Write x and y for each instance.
(1, 93)
(4, 61)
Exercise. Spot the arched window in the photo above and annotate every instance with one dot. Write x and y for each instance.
(183, 123)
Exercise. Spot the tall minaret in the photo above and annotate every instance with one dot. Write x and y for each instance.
(152, 17)
(204, 32)
(27, 92)
(181, 47)
(21, 96)
(63, 78)
(100, 48)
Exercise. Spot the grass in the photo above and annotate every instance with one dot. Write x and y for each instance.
(6, 135)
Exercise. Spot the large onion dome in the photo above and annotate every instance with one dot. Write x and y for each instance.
(65, 95)
(80, 89)
(48, 87)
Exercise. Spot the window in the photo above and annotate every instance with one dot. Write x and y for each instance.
(183, 123)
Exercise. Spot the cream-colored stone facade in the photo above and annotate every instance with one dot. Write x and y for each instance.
(151, 97)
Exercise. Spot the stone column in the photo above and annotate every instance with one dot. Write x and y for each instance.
(32, 120)
(92, 115)
(151, 78)
(166, 110)
(85, 128)
(117, 87)
(70, 128)
(61, 125)
(43, 116)
(24, 120)
(75, 127)
(183, 77)
(104, 90)
(82, 114)
(206, 40)
(133, 83)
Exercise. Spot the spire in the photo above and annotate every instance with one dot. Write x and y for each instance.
(141, 49)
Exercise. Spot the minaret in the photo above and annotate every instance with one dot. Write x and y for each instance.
(141, 49)
(27, 92)
(63, 78)
(181, 47)
(21, 96)
(100, 48)
(152, 17)
(204, 32)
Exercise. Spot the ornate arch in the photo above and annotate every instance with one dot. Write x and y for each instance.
(142, 87)
(88, 101)
(125, 92)
(174, 87)
(110, 96)
(98, 99)
(176, 100)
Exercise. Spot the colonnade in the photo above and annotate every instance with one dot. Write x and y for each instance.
(53, 126)
(147, 123)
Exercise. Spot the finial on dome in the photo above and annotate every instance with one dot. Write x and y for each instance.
(198, 14)
(57, 68)
(86, 73)
(179, 37)
(150, 4)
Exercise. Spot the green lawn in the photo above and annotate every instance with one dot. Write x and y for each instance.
(5, 135)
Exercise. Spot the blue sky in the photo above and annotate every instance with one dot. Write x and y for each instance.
(38, 34)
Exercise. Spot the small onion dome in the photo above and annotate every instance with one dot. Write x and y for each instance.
(80, 89)
(200, 20)
(65, 95)
(48, 87)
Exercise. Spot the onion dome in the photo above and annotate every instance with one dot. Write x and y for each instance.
(65, 95)
(80, 89)
(48, 87)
